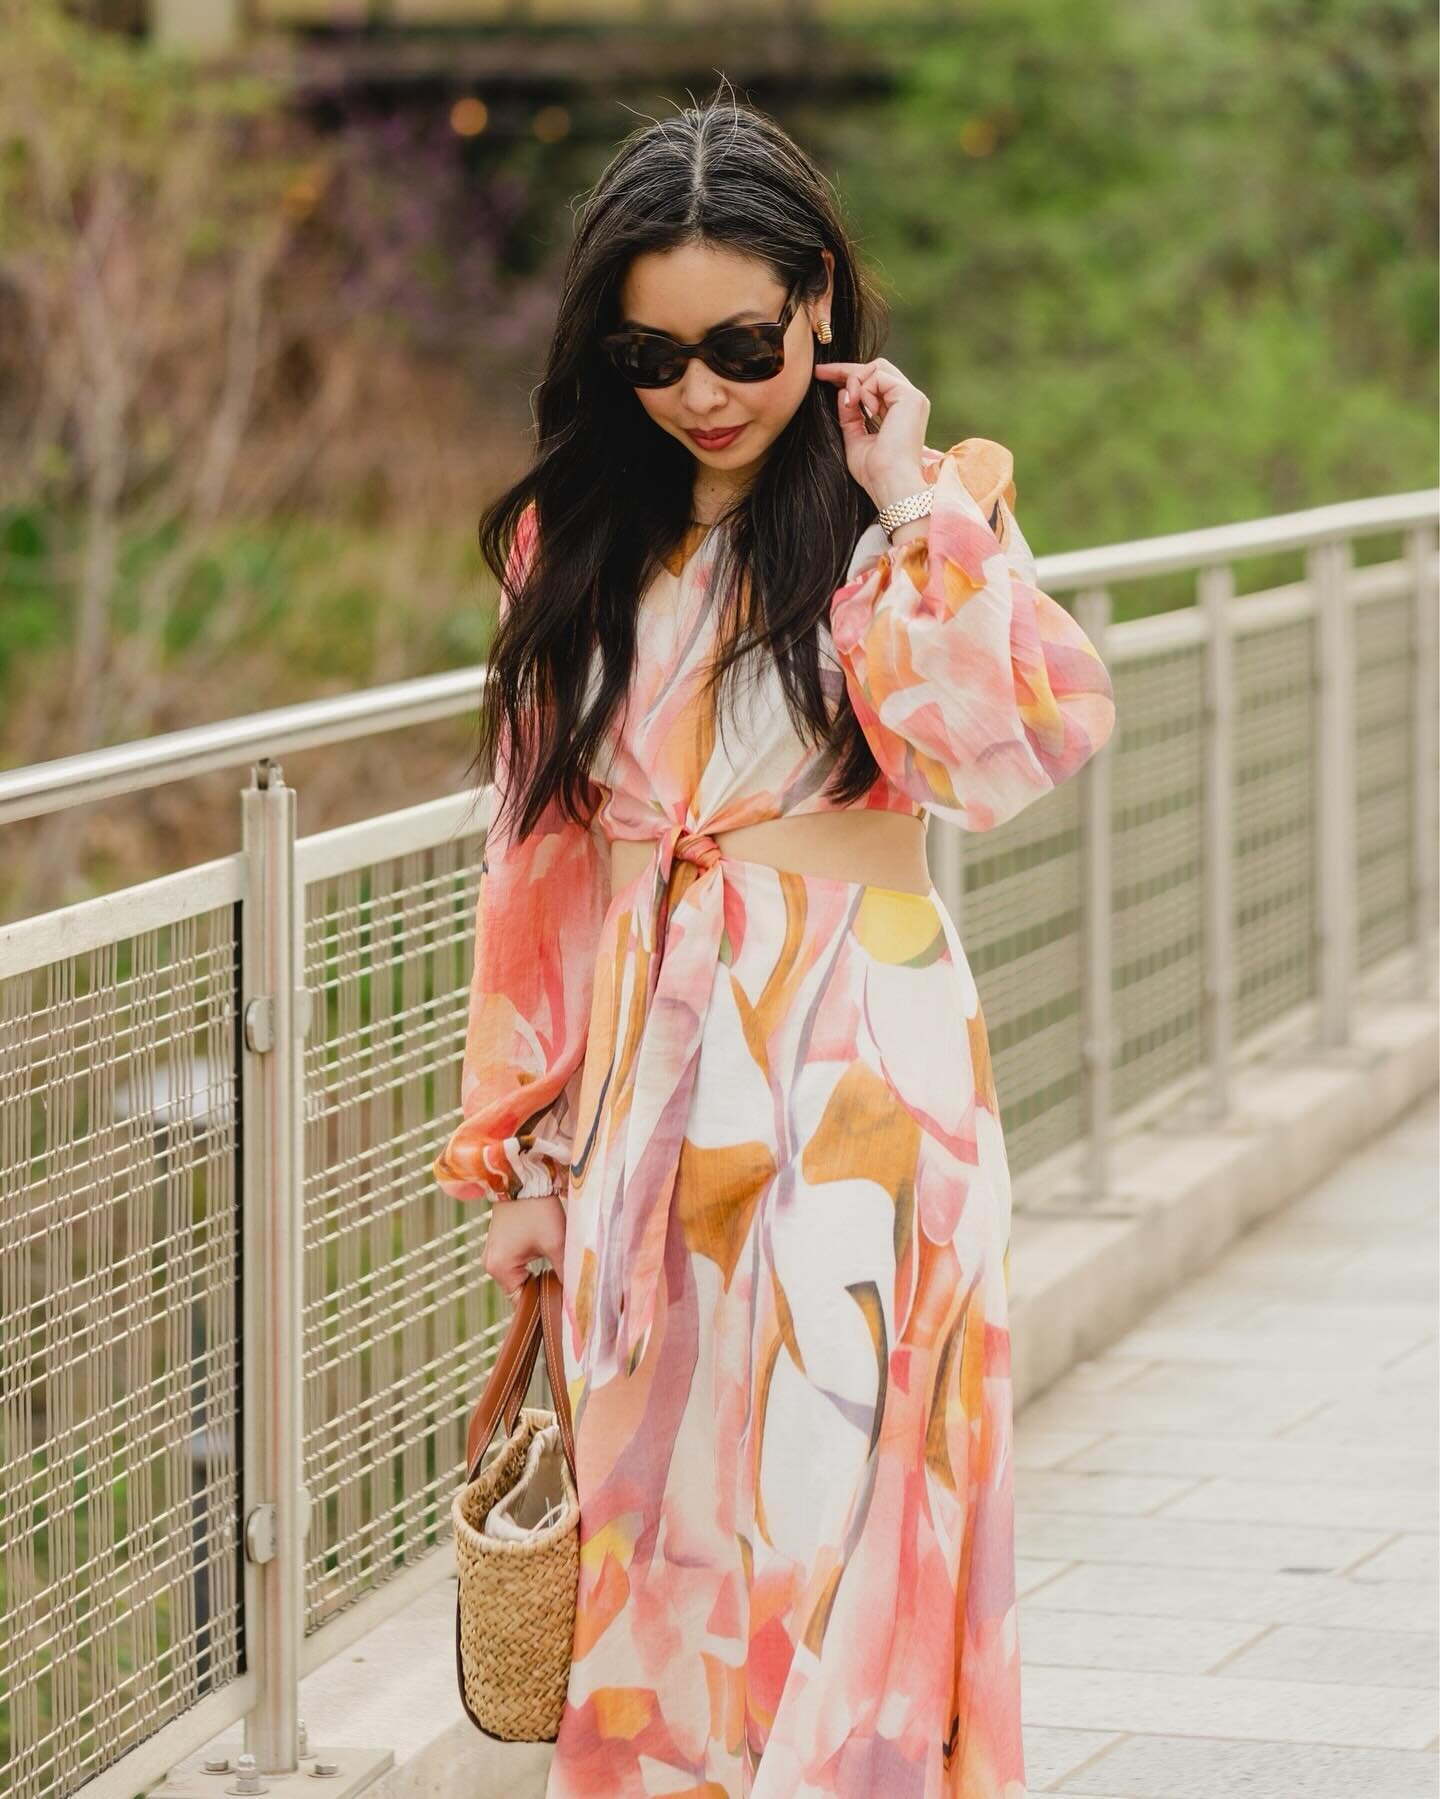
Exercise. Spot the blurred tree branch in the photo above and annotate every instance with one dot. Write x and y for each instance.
(143, 222)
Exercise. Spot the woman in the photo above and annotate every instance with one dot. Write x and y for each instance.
(726, 1065)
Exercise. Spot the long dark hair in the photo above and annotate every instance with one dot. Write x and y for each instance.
(612, 491)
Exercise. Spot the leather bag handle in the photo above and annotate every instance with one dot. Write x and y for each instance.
(538, 1320)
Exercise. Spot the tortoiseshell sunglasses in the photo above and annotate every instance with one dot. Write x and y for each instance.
(736, 352)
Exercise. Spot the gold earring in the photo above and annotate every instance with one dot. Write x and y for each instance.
(823, 332)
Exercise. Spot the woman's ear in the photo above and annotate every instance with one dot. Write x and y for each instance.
(822, 306)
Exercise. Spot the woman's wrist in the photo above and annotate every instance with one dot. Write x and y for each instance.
(899, 484)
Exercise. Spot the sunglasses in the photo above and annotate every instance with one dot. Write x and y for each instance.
(736, 352)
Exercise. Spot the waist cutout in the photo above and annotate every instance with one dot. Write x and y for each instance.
(878, 849)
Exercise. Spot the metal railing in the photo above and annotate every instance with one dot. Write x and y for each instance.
(242, 1329)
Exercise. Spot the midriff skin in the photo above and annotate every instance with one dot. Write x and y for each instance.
(880, 849)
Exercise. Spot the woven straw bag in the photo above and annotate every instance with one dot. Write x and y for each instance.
(515, 1606)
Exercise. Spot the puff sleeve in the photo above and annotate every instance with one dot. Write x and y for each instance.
(538, 915)
(976, 691)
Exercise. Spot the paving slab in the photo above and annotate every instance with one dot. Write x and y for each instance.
(1335, 1465)
(1296, 1595)
(1372, 1658)
(1296, 1711)
(1179, 1767)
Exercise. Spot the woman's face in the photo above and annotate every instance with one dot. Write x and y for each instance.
(688, 291)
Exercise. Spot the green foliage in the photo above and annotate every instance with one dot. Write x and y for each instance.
(310, 597)
(114, 104)
(30, 621)
(1181, 260)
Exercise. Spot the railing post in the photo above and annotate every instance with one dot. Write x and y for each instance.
(276, 1506)
(1420, 546)
(1216, 595)
(1328, 567)
(1092, 613)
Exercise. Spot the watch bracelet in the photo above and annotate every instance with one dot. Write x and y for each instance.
(906, 511)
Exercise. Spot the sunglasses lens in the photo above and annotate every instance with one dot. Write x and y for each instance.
(745, 354)
(645, 362)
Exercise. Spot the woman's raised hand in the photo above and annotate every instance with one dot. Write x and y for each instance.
(887, 463)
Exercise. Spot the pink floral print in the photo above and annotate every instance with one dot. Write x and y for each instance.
(767, 1103)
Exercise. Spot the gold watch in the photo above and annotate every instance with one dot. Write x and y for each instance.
(906, 511)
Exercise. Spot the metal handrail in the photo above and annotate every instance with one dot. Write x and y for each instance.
(1175, 550)
(234, 742)
(127, 768)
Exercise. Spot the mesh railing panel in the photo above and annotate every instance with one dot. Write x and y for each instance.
(1384, 751)
(1274, 823)
(400, 1323)
(1020, 923)
(120, 1589)
(1157, 873)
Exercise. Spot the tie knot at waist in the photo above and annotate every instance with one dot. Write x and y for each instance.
(681, 845)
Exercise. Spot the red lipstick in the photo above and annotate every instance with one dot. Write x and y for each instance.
(715, 440)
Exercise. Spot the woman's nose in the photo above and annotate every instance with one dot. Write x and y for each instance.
(699, 389)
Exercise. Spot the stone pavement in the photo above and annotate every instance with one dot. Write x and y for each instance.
(1226, 1523)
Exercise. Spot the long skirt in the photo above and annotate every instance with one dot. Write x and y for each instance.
(797, 1549)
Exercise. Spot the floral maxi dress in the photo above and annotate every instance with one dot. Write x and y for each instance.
(766, 1101)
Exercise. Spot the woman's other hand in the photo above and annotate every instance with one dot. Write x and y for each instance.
(520, 1229)
(887, 463)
